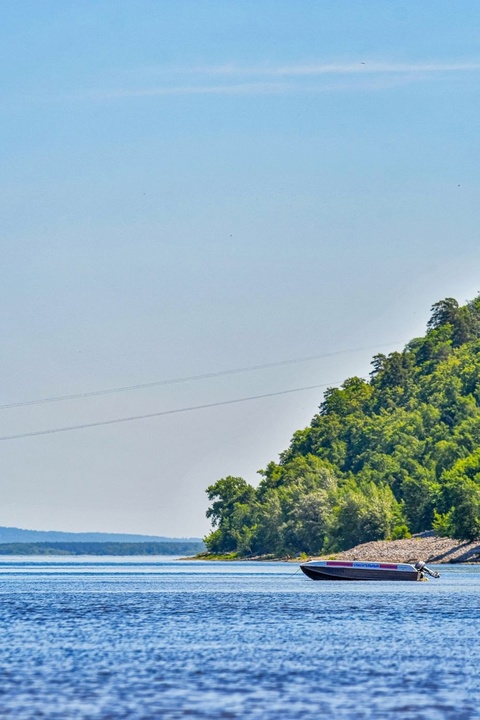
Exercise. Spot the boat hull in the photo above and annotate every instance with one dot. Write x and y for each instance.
(335, 570)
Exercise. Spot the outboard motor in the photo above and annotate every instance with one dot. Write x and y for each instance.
(422, 568)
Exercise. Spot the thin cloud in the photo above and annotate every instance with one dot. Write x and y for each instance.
(283, 79)
(242, 89)
(313, 69)
(235, 89)
(376, 68)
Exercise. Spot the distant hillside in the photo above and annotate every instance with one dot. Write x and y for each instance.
(382, 459)
(19, 535)
(178, 547)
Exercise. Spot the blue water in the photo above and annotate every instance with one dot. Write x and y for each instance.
(128, 638)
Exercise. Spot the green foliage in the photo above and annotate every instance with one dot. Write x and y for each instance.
(464, 515)
(400, 532)
(442, 523)
(366, 514)
(381, 459)
(231, 513)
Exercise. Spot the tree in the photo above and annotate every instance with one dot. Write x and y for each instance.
(230, 498)
(269, 538)
(464, 513)
(461, 497)
(443, 312)
(420, 497)
(309, 522)
(366, 514)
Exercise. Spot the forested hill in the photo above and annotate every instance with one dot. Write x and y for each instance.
(396, 455)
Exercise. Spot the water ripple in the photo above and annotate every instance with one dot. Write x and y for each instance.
(234, 641)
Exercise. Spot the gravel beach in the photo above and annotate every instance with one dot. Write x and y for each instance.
(428, 548)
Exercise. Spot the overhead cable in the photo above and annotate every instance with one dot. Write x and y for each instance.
(190, 378)
(115, 421)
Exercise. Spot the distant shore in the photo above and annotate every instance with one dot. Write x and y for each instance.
(178, 547)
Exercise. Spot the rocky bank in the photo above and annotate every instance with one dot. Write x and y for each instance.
(425, 547)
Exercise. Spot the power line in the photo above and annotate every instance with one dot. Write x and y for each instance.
(132, 418)
(190, 378)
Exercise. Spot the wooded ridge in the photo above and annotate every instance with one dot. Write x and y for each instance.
(382, 459)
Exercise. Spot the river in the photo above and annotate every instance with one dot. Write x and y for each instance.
(145, 638)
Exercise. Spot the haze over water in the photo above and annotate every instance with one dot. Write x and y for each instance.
(143, 638)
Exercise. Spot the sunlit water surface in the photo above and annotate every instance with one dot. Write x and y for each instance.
(160, 638)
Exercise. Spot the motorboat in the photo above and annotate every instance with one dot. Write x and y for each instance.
(365, 570)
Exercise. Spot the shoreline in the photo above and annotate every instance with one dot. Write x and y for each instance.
(427, 547)
(431, 549)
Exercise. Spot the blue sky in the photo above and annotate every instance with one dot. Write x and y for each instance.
(190, 187)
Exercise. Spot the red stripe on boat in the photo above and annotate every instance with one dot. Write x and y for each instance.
(385, 566)
(334, 563)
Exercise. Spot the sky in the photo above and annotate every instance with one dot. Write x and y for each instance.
(190, 188)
